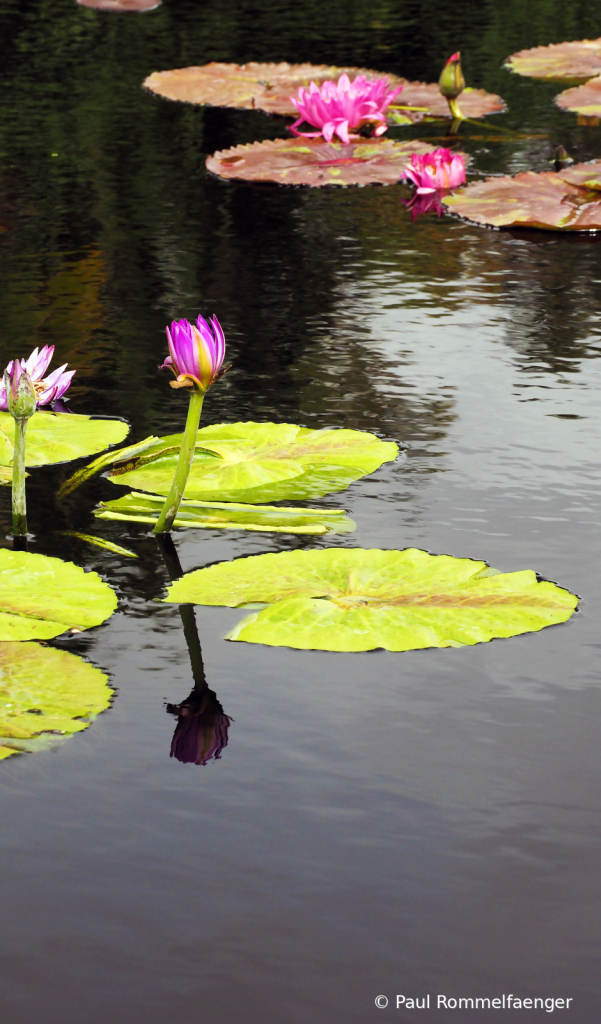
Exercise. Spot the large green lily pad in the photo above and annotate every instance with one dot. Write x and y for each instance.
(60, 437)
(45, 696)
(584, 100)
(565, 201)
(145, 508)
(559, 62)
(41, 597)
(358, 600)
(259, 462)
(268, 87)
(317, 162)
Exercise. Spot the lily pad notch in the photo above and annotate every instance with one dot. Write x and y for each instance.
(360, 600)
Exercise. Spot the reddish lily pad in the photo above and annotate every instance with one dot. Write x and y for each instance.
(268, 87)
(316, 162)
(428, 102)
(121, 6)
(560, 62)
(584, 99)
(567, 201)
(250, 86)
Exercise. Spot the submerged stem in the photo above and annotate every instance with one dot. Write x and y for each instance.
(172, 563)
(19, 506)
(184, 462)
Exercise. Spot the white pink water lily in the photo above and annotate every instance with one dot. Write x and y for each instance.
(48, 389)
(436, 170)
(339, 108)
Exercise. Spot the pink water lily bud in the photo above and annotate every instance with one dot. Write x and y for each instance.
(438, 169)
(196, 351)
(19, 391)
(339, 108)
(451, 82)
(47, 389)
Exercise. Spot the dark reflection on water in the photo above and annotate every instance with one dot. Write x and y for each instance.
(202, 728)
(420, 823)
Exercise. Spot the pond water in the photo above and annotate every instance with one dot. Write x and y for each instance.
(419, 823)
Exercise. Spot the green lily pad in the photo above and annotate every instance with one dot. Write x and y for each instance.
(145, 508)
(260, 462)
(559, 62)
(6, 476)
(60, 437)
(102, 462)
(41, 597)
(358, 600)
(45, 696)
(567, 200)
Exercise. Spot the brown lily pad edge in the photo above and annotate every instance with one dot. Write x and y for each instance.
(564, 201)
(560, 62)
(584, 100)
(268, 88)
(316, 162)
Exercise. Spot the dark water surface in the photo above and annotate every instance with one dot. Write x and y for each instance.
(379, 823)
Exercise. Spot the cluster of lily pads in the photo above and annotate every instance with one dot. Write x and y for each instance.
(342, 599)
(351, 108)
(235, 475)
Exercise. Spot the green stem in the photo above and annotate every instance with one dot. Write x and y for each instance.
(184, 462)
(455, 111)
(19, 507)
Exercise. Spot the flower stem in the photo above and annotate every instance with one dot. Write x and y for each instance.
(184, 462)
(455, 111)
(19, 507)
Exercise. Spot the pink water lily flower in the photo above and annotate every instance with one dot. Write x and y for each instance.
(196, 353)
(436, 170)
(48, 389)
(344, 107)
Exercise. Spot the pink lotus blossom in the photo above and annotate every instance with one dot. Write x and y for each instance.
(48, 389)
(197, 353)
(338, 108)
(436, 170)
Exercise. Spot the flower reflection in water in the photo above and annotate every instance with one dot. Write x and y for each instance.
(428, 202)
(202, 727)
